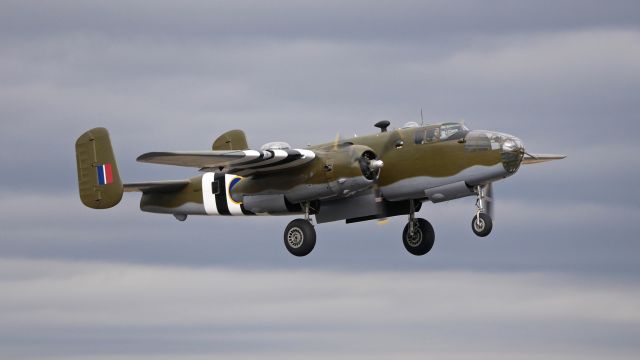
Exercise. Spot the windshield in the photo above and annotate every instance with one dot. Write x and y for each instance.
(452, 130)
(434, 133)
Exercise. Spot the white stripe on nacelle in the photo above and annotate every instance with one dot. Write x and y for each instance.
(208, 198)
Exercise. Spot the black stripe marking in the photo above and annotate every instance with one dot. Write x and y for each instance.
(221, 196)
(291, 156)
(258, 159)
(245, 211)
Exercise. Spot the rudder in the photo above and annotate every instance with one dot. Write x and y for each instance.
(98, 178)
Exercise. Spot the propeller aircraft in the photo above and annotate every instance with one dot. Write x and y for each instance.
(377, 176)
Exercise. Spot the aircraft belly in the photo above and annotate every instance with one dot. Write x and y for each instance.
(185, 209)
(343, 187)
(419, 186)
(307, 192)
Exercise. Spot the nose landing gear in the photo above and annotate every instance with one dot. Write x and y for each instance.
(481, 223)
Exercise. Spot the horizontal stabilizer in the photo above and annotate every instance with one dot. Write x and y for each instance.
(538, 158)
(153, 187)
(197, 159)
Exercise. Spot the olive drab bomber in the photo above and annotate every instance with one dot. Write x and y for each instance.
(388, 173)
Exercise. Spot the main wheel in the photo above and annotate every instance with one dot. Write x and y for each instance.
(482, 227)
(422, 239)
(300, 237)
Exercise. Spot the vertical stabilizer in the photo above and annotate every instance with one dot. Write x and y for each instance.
(231, 140)
(98, 178)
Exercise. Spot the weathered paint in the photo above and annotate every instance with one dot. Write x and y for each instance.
(331, 171)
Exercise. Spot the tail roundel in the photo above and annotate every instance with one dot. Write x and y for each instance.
(98, 178)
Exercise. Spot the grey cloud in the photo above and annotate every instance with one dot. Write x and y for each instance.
(360, 20)
(530, 235)
(323, 311)
(552, 90)
(557, 278)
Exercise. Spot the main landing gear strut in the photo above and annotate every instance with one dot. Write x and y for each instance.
(300, 235)
(481, 223)
(418, 235)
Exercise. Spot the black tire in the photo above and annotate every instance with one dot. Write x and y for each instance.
(300, 237)
(484, 228)
(422, 240)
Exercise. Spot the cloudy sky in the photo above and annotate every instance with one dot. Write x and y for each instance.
(557, 279)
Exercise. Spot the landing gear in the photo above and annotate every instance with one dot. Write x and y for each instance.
(300, 236)
(418, 235)
(481, 223)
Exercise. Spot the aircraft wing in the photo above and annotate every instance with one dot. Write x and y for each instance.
(239, 162)
(538, 158)
(156, 186)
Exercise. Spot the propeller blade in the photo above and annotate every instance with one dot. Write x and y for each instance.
(489, 200)
(379, 199)
(336, 141)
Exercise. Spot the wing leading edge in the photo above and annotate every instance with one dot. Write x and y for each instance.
(239, 162)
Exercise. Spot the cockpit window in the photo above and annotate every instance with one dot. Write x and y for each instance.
(448, 131)
(451, 131)
(427, 135)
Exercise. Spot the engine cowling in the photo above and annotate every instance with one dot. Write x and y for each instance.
(351, 169)
(336, 172)
(344, 171)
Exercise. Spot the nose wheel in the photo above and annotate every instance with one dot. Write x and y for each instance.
(481, 224)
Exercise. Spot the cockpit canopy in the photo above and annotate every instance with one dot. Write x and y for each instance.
(276, 145)
(442, 132)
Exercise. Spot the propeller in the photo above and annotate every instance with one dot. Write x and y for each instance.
(375, 168)
(336, 141)
(370, 166)
(382, 220)
(488, 200)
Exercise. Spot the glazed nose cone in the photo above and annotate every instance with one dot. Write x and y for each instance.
(512, 153)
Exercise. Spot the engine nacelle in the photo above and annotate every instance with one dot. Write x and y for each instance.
(275, 204)
(336, 172)
(351, 169)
